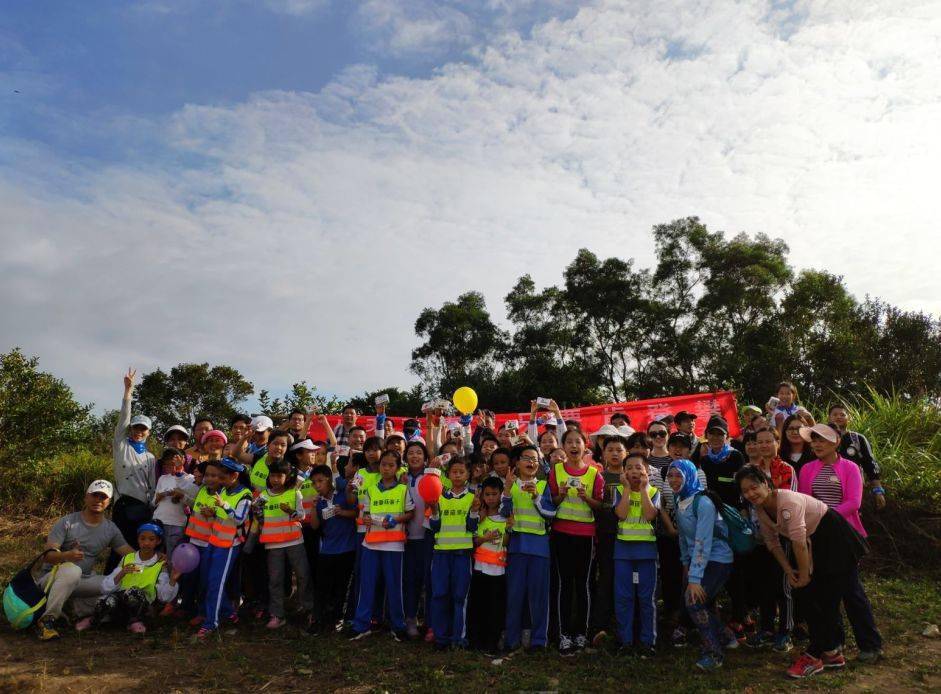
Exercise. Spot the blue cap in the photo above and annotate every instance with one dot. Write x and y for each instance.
(151, 527)
(232, 464)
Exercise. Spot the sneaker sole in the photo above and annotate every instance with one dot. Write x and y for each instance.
(806, 674)
(834, 666)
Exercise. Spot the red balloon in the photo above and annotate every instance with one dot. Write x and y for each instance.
(430, 488)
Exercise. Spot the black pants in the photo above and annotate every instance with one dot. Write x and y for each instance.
(128, 514)
(671, 579)
(486, 610)
(121, 607)
(332, 583)
(311, 546)
(573, 557)
(736, 587)
(822, 598)
(602, 600)
(772, 592)
(255, 575)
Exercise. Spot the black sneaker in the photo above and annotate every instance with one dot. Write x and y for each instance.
(400, 636)
(623, 651)
(440, 647)
(359, 635)
(645, 651)
(536, 650)
(566, 646)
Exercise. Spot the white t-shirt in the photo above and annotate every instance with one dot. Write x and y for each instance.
(168, 511)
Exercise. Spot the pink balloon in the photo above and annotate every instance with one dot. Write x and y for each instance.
(185, 558)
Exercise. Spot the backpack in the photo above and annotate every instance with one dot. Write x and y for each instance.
(24, 602)
(741, 536)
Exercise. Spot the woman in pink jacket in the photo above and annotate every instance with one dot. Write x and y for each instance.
(838, 483)
(832, 478)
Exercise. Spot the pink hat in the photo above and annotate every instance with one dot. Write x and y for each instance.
(214, 434)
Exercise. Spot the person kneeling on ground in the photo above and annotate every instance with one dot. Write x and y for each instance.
(73, 545)
(139, 579)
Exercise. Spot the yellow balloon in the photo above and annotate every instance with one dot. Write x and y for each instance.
(465, 400)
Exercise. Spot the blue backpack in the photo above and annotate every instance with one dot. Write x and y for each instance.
(24, 602)
(741, 537)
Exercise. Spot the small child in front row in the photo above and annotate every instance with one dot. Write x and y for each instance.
(282, 513)
(529, 502)
(140, 578)
(454, 520)
(635, 556)
(487, 601)
(335, 517)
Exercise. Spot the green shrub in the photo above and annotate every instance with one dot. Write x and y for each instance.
(906, 439)
(58, 482)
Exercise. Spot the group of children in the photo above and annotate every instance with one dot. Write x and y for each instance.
(491, 539)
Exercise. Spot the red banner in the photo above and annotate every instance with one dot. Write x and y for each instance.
(591, 417)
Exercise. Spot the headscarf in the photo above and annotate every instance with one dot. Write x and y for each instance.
(691, 483)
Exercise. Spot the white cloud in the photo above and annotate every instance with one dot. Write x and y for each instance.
(315, 227)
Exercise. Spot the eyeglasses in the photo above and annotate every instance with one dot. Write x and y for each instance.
(795, 430)
(658, 434)
(528, 459)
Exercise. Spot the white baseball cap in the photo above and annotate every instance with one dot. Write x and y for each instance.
(176, 427)
(306, 443)
(141, 420)
(262, 423)
(101, 487)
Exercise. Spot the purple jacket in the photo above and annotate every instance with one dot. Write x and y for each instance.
(851, 479)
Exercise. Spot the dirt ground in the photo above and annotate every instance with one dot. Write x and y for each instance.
(252, 659)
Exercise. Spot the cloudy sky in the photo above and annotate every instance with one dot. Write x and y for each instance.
(283, 185)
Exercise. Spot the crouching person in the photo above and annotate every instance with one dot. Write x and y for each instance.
(73, 547)
(131, 588)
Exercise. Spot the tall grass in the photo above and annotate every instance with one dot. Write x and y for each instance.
(906, 439)
(58, 482)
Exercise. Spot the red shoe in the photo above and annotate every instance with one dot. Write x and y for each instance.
(203, 634)
(805, 666)
(169, 610)
(429, 636)
(836, 660)
(196, 621)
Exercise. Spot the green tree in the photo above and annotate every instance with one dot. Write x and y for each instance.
(460, 343)
(301, 396)
(190, 390)
(402, 403)
(39, 416)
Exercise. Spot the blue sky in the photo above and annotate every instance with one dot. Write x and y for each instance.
(167, 165)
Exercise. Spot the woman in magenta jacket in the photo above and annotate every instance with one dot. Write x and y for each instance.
(838, 483)
(832, 478)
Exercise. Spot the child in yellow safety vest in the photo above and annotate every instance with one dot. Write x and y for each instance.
(281, 513)
(487, 602)
(140, 578)
(636, 505)
(387, 508)
(454, 520)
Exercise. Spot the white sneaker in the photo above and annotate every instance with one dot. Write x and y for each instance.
(566, 647)
(581, 642)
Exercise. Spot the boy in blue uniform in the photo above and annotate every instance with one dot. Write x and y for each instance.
(529, 502)
(454, 521)
(335, 517)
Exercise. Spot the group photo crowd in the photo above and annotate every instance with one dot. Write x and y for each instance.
(463, 534)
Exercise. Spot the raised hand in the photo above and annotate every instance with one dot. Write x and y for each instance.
(129, 379)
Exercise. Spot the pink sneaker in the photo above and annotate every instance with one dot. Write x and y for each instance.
(429, 636)
(83, 624)
(137, 628)
(274, 623)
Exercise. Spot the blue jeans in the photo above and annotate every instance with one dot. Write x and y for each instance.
(527, 591)
(705, 615)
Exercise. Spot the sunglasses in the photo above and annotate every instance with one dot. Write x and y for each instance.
(658, 434)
